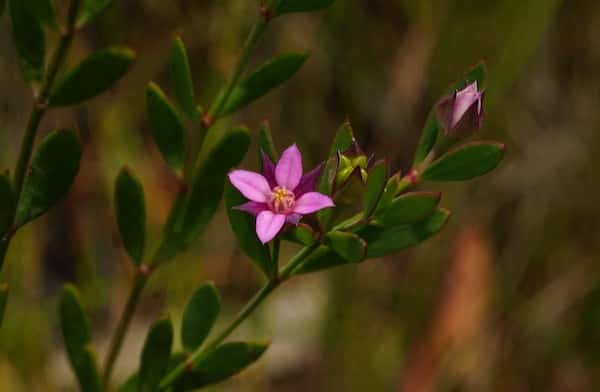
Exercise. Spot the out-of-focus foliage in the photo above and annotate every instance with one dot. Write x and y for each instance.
(506, 298)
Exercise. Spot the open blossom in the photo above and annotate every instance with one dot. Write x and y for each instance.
(281, 194)
(461, 112)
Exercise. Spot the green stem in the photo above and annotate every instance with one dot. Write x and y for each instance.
(37, 114)
(121, 331)
(258, 298)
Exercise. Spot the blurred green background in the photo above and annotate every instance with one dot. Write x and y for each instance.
(506, 298)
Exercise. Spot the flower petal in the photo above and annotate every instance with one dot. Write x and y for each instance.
(312, 202)
(268, 224)
(293, 219)
(252, 185)
(308, 183)
(289, 168)
(252, 207)
(268, 169)
(464, 100)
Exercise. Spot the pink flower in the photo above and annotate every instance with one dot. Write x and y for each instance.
(281, 194)
(461, 112)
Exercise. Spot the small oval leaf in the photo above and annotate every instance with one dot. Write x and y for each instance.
(53, 169)
(167, 127)
(92, 76)
(29, 39)
(90, 9)
(155, 355)
(289, 6)
(349, 246)
(76, 334)
(130, 208)
(244, 228)
(385, 240)
(199, 316)
(376, 182)
(264, 79)
(224, 362)
(181, 76)
(408, 208)
(465, 162)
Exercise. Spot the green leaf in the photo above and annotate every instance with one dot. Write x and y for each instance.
(155, 355)
(3, 300)
(289, 6)
(53, 169)
(7, 203)
(391, 189)
(76, 334)
(322, 258)
(429, 136)
(376, 182)
(408, 209)
(29, 39)
(181, 75)
(44, 11)
(191, 214)
(244, 228)
(264, 79)
(349, 246)
(167, 127)
(132, 383)
(90, 9)
(465, 162)
(301, 234)
(93, 76)
(385, 240)
(130, 207)
(266, 144)
(200, 316)
(225, 362)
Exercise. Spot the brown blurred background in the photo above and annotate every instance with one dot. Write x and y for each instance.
(506, 298)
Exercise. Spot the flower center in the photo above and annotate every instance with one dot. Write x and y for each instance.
(282, 200)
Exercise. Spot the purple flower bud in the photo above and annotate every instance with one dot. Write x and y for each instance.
(462, 112)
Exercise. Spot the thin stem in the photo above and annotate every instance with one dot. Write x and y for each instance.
(121, 331)
(37, 114)
(208, 121)
(258, 298)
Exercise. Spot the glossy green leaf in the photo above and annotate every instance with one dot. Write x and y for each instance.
(266, 144)
(244, 228)
(76, 334)
(130, 207)
(200, 316)
(7, 203)
(465, 162)
(155, 355)
(349, 246)
(90, 9)
(289, 6)
(301, 234)
(44, 11)
(264, 79)
(391, 189)
(225, 362)
(167, 127)
(3, 300)
(322, 258)
(29, 40)
(408, 208)
(181, 76)
(132, 383)
(191, 214)
(93, 76)
(429, 136)
(53, 170)
(385, 240)
(376, 182)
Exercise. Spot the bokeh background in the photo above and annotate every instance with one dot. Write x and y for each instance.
(506, 298)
